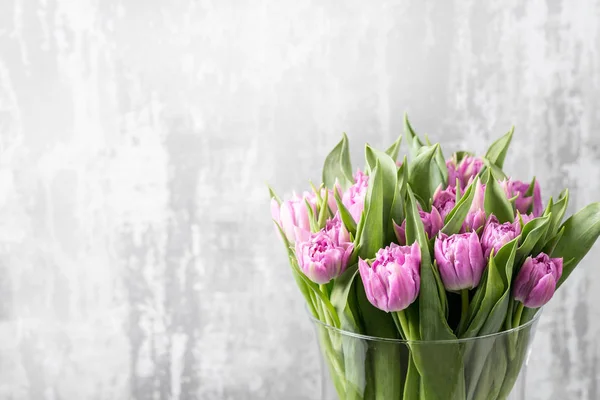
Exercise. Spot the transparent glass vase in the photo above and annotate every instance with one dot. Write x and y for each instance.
(358, 367)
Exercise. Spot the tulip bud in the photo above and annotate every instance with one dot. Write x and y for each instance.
(392, 280)
(444, 200)
(460, 260)
(524, 203)
(354, 198)
(476, 217)
(292, 215)
(324, 255)
(536, 282)
(468, 168)
(432, 223)
(495, 235)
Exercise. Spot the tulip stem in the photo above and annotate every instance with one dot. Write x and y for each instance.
(404, 324)
(464, 296)
(517, 319)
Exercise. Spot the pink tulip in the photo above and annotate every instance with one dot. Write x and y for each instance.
(536, 281)
(524, 203)
(476, 216)
(460, 260)
(444, 200)
(467, 169)
(293, 215)
(324, 255)
(392, 281)
(495, 235)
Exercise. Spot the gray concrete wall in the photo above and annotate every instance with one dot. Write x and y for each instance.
(137, 256)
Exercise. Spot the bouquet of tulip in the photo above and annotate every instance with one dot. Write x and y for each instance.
(428, 251)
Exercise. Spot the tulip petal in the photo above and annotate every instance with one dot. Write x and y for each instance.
(380, 292)
(541, 293)
(365, 275)
(538, 206)
(400, 231)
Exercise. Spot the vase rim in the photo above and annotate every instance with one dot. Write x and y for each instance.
(441, 341)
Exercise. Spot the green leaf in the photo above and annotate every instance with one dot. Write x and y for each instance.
(496, 172)
(459, 155)
(342, 286)
(581, 232)
(273, 195)
(497, 151)
(432, 361)
(532, 237)
(403, 174)
(433, 324)
(392, 151)
(420, 177)
(441, 288)
(440, 160)
(500, 268)
(531, 188)
(495, 319)
(317, 192)
(426, 306)
(489, 382)
(475, 304)
(329, 343)
(522, 338)
(397, 213)
(347, 219)
(456, 217)
(551, 244)
(389, 175)
(496, 203)
(323, 212)
(557, 210)
(411, 137)
(548, 209)
(371, 237)
(311, 216)
(412, 383)
(492, 313)
(491, 293)
(338, 166)
(359, 230)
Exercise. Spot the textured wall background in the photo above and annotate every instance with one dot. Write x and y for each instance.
(137, 256)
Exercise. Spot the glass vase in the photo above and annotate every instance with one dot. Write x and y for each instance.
(358, 367)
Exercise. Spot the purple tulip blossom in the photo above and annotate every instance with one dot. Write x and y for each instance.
(536, 281)
(444, 200)
(392, 281)
(292, 215)
(495, 235)
(523, 203)
(466, 170)
(460, 260)
(476, 216)
(324, 255)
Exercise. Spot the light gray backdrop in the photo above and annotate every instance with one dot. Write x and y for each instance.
(137, 255)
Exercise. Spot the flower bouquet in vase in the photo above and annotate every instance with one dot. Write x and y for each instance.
(424, 277)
